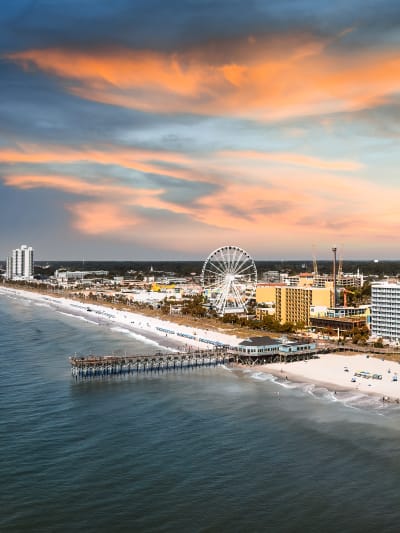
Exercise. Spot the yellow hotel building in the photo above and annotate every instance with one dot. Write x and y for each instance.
(292, 304)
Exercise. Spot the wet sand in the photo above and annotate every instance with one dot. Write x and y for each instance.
(336, 372)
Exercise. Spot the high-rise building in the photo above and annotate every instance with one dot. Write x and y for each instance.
(385, 311)
(20, 264)
(292, 304)
(9, 268)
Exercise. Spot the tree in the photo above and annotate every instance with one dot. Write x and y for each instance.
(378, 343)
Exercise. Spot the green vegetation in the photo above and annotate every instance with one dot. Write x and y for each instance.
(360, 335)
(378, 344)
(358, 295)
(267, 323)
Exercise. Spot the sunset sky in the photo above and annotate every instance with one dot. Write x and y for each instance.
(165, 129)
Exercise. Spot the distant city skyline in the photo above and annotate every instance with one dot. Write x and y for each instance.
(151, 130)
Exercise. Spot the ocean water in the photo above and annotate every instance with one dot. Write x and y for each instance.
(194, 451)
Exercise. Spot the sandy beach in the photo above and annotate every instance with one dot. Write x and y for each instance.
(168, 334)
(336, 372)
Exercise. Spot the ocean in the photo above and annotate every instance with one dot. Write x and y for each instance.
(201, 450)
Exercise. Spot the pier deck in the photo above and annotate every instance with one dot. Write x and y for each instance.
(108, 365)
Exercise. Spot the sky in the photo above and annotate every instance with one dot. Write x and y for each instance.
(153, 129)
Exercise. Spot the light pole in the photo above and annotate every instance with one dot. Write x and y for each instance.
(334, 250)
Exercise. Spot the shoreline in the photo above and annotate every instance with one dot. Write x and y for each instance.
(295, 378)
(155, 330)
(326, 371)
(329, 371)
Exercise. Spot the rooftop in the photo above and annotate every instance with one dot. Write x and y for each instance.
(260, 341)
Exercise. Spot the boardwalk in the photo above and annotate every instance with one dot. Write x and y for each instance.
(109, 365)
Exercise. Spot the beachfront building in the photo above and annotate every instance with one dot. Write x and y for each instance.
(292, 304)
(385, 311)
(338, 325)
(258, 349)
(64, 277)
(20, 264)
(342, 320)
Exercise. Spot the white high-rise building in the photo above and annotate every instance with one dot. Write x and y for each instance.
(9, 268)
(20, 264)
(385, 311)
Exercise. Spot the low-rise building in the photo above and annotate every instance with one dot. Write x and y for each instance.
(266, 309)
(342, 320)
(68, 275)
(342, 280)
(339, 325)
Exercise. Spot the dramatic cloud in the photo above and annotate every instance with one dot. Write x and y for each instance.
(262, 78)
(141, 160)
(172, 129)
(297, 204)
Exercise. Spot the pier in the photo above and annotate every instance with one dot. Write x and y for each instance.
(110, 365)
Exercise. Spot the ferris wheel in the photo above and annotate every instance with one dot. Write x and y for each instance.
(229, 279)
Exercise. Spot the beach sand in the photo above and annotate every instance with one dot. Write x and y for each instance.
(147, 326)
(329, 371)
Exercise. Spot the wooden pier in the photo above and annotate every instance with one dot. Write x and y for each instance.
(110, 365)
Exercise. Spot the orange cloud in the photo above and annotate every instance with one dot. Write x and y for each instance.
(253, 197)
(296, 207)
(214, 169)
(300, 207)
(258, 78)
(74, 185)
(146, 161)
(254, 201)
(123, 194)
(294, 159)
(102, 218)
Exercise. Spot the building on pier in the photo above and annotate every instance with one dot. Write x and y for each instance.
(255, 350)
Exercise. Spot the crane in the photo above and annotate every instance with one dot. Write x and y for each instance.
(345, 293)
(315, 265)
(340, 266)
